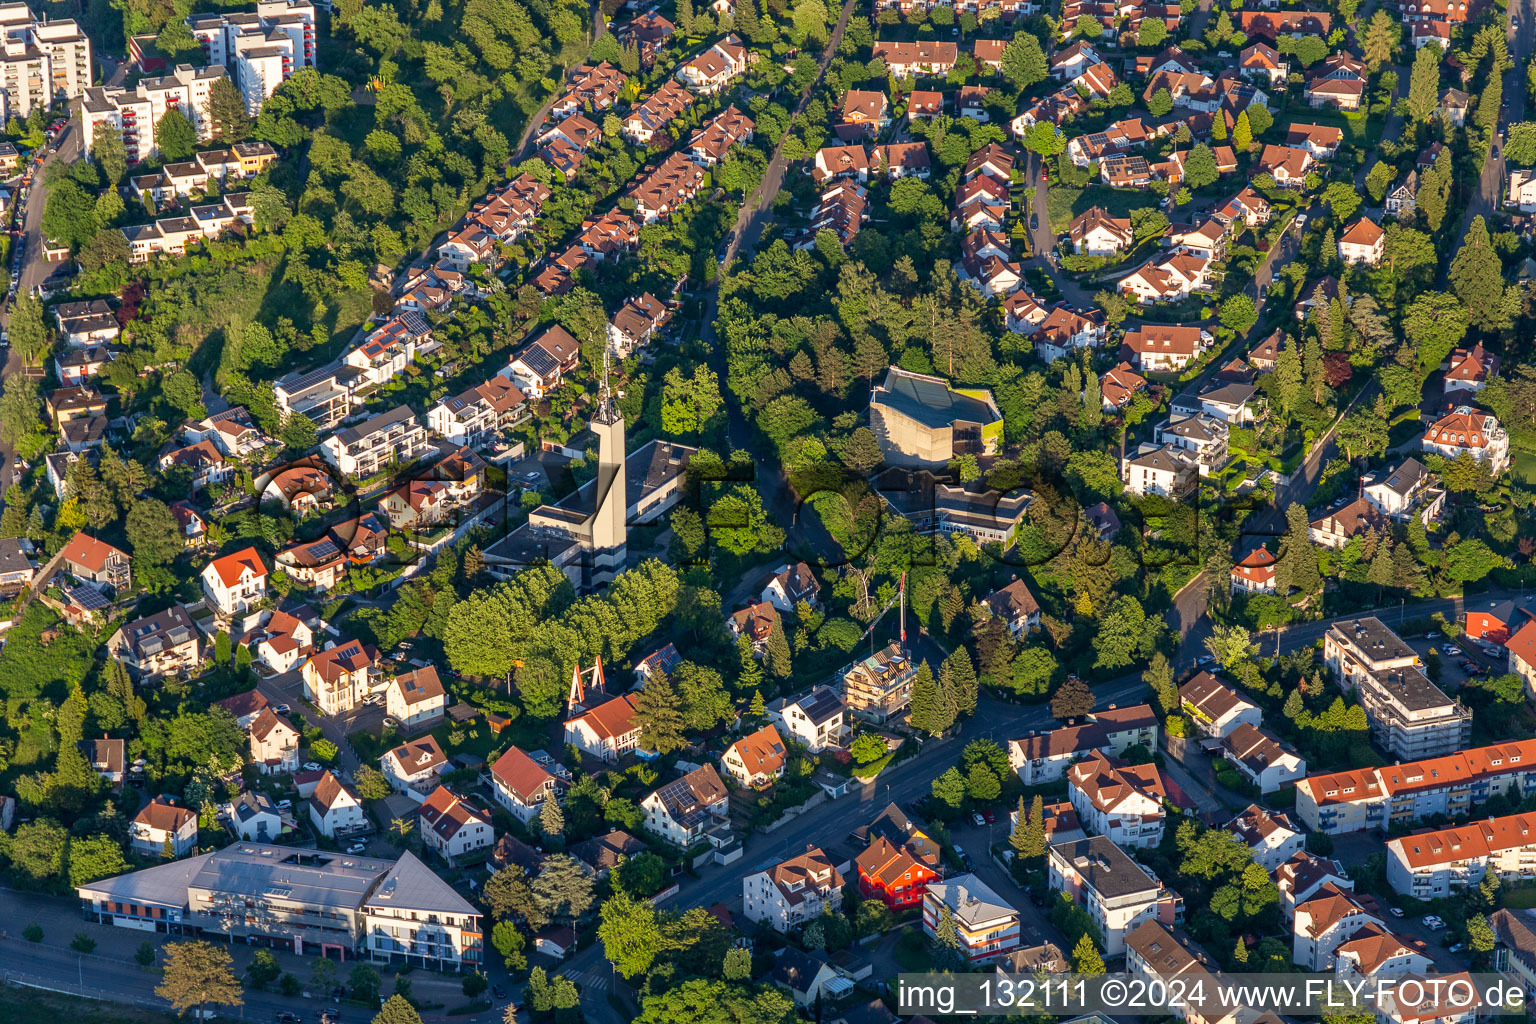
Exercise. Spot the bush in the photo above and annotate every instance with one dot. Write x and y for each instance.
(82, 943)
(33, 932)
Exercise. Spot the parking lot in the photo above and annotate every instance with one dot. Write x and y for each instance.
(1460, 658)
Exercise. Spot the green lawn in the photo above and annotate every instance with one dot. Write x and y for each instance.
(1063, 202)
(1523, 464)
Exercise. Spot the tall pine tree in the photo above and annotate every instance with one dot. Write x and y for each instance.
(963, 675)
(776, 654)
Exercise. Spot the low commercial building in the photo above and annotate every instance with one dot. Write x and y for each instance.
(307, 901)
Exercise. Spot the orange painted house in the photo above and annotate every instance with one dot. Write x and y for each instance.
(893, 875)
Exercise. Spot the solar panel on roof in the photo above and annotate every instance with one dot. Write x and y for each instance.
(324, 549)
(89, 598)
(538, 360)
(308, 380)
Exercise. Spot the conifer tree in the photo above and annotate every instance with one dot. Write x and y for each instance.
(751, 677)
(757, 708)
(963, 674)
(658, 716)
(551, 818)
(776, 654)
(927, 713)
(1086, 957)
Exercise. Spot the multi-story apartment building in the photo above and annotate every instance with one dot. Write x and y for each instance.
(40, 61)
(309, 901)
(1403, 794)
(793, 892)
(985, 924)
(878, 687)
(156, 646)
(1045, 756)
(1115, 891)
(335, 679)
(1325, 922)
(262, 48)
(390, 348)
(137, 112)
(393, 437)
(453, 827)
(1214, 707)
(476, 417)
(1121, 801)
(1471, 430)
(1270, 836)
(817, 720)
(274, 743)
(1409, 716)
(1428, 865)
(325, 395)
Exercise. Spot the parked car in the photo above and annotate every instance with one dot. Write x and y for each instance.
(1457, 948)
(977, 819)
(1452, 650)
(1431, 636)
(284, 805)
(357, 847)
(281, 709)
(288, 1017)
(1395, 911)
(990, 815)
(311, 766)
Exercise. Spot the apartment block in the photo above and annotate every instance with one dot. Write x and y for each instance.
(1117, 893)
(261, 48)
(987, 926)
(1403, 794)
(40, 61)
(1043, 757)
(136, 112)
(1409, 716)
(392, 437)
(1428, 865)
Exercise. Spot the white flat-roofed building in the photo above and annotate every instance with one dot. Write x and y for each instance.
(1410, 717)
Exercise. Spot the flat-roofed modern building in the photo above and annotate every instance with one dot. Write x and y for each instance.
(923, 421)
(1410, 717)
(308, 901)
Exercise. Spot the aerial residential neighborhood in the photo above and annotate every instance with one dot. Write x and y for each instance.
(671, 512)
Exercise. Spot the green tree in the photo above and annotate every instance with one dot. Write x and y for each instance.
(1477, 278)
(737, 965)
(1200, 166)
(397, 1010)
(196, 974)
(776, 652)
(1024, 61)
(629, 933)
(1424, 84)
(175, 138)
(1480, 938)
(110, 153)
(1159, 679)
(1161, 103)
(551, 820)
(1379, 41)
(226, 112)
(949, 789)
(1242, 133)
(1086, 957)
(659, 717)
(263, 969)
(370, 783)
(1238, 314)
(1379, 180)
(1151, 34)
(1072, 699)
(1296, 567)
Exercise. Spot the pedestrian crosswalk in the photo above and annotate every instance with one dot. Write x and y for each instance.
(597, 978)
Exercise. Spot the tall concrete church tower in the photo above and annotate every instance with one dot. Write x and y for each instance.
(610, 527)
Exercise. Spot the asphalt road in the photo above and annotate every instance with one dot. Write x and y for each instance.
(1490, 187)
